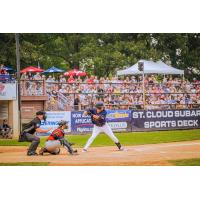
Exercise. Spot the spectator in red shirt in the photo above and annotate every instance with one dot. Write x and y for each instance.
(90, 80)
(2, 70)
(71, 79)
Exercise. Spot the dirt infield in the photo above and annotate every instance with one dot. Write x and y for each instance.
(142, 155)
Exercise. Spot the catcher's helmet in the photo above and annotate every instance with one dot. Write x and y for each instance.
(62, 123)
(99, 104)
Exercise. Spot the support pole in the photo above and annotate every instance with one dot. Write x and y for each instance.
(143, 88)
(18, 76)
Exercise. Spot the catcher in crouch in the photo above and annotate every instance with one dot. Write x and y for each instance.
(98, 116)
(56, 140)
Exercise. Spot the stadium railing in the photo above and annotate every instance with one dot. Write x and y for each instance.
(65, 101)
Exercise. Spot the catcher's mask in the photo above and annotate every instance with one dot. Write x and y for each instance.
(43, 113)
(62, 123)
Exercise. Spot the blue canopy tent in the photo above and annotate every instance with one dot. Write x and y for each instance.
(8, 68)
(53, 70)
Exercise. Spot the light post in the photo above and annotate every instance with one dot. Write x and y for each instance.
(141, 68)
(18, 76)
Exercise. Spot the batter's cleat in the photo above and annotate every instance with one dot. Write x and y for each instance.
(122, 149)
(32, 154)
(118, 145)
(84, 150)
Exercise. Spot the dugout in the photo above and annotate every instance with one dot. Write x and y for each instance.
(9, 106)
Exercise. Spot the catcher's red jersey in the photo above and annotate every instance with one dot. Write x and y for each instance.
(56, 134)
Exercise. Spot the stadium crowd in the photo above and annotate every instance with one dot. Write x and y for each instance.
(68, 93)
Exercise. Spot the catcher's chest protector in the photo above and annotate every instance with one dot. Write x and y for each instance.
(57, 133)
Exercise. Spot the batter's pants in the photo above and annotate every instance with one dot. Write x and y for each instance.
(106, 129)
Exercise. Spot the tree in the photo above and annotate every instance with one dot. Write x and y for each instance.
(107, 51)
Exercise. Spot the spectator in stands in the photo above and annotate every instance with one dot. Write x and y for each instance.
(62, 79)
(96, 79)
(24, 76)
(123, 92)
(43, 77)
(90, 80)
(6, 130)
(63, 89)
(50, 79)
(2, 70)
(77, 102)
(71, 80)
(79, 80)
(37, 77)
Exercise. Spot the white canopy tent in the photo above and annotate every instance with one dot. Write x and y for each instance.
(151, 67)
(170, 69)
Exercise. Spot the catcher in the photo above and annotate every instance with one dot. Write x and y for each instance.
(98, 116)
(56, 140)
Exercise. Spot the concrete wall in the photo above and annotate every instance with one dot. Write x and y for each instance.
(13, 117)
(29, 108)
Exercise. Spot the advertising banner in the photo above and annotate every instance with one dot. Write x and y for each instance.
(118, 115)
(144, 120)
(8, 91)
(126, 120)
(80, 123)
(54, 117)
(119, 120)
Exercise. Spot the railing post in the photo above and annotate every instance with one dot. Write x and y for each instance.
(44, 87)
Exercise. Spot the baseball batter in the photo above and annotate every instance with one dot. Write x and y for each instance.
(98, 117)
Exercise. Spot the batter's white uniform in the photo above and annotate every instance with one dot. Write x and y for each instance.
(106, 129)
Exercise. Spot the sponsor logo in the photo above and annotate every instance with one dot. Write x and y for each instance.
(118, 125)
(84, 129)
(117, 115)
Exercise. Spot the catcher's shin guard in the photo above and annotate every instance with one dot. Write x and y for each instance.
(67, 146)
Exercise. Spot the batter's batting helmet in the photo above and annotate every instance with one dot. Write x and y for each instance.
(99, 104)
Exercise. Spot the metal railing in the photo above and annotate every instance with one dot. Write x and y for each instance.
(73, 96)
(33, 87)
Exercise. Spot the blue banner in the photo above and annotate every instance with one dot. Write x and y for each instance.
(119, 120)
(53, 118)
(148, 120)
(80, 123)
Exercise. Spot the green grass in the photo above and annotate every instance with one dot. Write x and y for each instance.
(25, 164)
(186, 162)
(126, 139)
